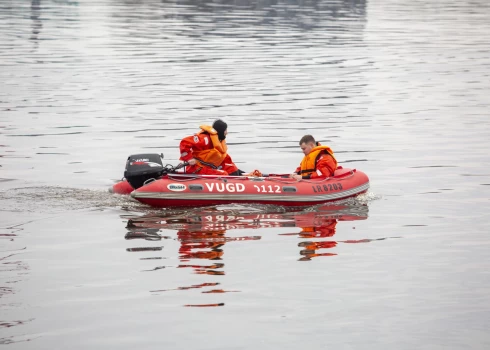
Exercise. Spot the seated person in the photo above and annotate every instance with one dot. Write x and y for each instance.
(319, 161)
(206, 151)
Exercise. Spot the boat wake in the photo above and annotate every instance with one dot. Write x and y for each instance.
(48, 199)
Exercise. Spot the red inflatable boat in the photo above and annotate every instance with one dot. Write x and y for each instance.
(149, 182)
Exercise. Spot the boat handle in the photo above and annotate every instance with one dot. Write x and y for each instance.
(148, 181)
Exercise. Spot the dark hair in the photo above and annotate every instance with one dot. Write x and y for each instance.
(220, 126)
(307, 139)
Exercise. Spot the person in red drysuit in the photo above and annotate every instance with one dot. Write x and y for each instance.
(206, 151)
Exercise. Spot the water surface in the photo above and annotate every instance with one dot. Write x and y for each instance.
(399, 90)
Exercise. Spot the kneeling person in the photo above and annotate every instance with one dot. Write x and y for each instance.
(206, 151)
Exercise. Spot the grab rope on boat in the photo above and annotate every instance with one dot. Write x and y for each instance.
(255, 175)
(339, 177)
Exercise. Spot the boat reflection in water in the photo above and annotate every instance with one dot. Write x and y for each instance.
(202, 234)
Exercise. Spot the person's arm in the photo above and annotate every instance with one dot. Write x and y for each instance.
(296, 175)
(187, 146)
(325, 167)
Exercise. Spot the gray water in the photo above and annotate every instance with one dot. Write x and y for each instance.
(399, 90)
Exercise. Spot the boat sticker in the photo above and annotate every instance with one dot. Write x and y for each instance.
(268, 188)
(176, 187)
(225, 187)
(145, 162)
(327, 187)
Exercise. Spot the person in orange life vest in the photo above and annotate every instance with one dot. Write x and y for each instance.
(319, 161)
(206, 151)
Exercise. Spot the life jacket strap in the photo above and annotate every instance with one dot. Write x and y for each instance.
(206, 163)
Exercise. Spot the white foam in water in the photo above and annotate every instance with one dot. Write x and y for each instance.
(51, 198)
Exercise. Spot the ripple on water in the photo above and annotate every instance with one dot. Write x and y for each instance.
(46, 199)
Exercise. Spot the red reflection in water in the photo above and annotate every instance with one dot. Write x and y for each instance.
(204, 305)
(195, 286)
(220, 291)
(202, 234)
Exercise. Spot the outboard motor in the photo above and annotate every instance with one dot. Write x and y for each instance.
(143, 167)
